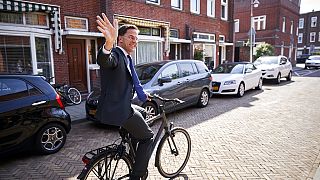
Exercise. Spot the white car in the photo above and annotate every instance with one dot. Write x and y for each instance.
(235, 78)
(274, 67)
(312, 61)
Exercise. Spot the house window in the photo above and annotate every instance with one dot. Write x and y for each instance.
(174, 33)
(224, 9)
(283, 24)
(195, 6)
(10, 17)
(76, 23)
(301, 23)
(153, 2)
(36, 19)
(221, 38)
(259, 22)
(211, 8)
(291, 28)
(300, 36)
(33, 19)
(312, 36)
(176, 4)
(313, 21)
(236, 25)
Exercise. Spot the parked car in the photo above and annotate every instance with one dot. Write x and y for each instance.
(312, 61)
(187, 80)
(31, 115)
(302, 58)
(274, 67)
(235, 78)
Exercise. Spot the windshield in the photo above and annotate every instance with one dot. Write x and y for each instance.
(146, 72)
(266, 60)
(229, 68)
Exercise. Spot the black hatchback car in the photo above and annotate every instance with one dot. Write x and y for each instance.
(31, 115)
(187, 80)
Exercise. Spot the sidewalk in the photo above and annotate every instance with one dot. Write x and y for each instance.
(77, 112)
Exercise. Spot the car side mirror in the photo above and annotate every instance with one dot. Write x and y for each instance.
(164, 80)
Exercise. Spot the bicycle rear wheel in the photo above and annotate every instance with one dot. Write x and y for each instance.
(173, 152)
(108, 166)
(74, 95)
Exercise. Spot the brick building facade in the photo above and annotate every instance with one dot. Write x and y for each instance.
(309, 33)
(59, 38)
(275, 22)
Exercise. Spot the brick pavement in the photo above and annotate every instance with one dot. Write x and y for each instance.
(269, 134)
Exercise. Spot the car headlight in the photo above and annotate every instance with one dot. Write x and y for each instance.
(230, 82)
(271, 69)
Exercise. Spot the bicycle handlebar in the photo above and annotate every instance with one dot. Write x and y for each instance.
(155, 96)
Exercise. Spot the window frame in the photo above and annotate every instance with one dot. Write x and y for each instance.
(211, 12)
(196, 11)
(283, 24)
(291, 27)
(177, 8)
(152, 2)
(237, 25)
(300, 37)
(225, 4)
(312, 35)
(313, 21)
(301, 23)
(257, 21)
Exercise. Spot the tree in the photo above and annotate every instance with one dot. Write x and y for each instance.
(264, 49)
(198, 54)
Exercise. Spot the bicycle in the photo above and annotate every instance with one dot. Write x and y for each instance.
(69, 95)
(115, 161)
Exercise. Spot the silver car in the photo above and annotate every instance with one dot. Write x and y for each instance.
(312, 61)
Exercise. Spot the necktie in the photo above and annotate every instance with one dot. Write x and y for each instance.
(136, 82)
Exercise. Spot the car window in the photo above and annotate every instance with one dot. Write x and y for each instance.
(314, 57)
(250, 66)
(11, 89)
(266, 60)
(195, 68)
(229, 68)
(146, 73)
(170, 71)
(186, 69)
(202, 68)
(283, 61)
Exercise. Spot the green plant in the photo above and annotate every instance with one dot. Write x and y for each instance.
(264, 49)
(198, 54)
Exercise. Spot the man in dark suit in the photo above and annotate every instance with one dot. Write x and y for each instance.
(118, 82)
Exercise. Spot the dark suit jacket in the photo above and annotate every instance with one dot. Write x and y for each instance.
(114, 105)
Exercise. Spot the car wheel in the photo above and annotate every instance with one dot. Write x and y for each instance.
(204, 98)
(241, 90)
(278, 80)
(289, 77)
(151, 110)
(259, 87)
(51, 138)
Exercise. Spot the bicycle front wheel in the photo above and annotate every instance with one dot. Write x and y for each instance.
(109, 166)
(173, 152)
(74, 95)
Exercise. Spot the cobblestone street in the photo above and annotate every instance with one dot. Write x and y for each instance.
(268, 134)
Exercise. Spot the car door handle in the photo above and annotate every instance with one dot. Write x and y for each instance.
(38, 103)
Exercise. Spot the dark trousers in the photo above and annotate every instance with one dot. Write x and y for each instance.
(141, 132)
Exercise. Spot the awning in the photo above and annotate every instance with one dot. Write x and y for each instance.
(52, 10)
(148, 23)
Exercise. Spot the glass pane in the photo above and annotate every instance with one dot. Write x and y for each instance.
(92, 52)
(9, 17)
(12, 89)
(43, 57)
(170, 71)
(147, 52)
(15, 55)
(36, 19)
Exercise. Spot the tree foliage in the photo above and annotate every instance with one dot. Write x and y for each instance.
(264, 49)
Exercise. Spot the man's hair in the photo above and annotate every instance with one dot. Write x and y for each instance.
(124, 28)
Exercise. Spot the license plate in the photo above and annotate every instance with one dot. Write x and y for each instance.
(92, 111)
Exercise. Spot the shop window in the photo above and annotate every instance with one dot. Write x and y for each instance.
(15, 54)
(44, 66)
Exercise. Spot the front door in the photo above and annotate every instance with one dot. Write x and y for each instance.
(77, 64)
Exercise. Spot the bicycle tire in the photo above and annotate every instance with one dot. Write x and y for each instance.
(167, 162)
(117, 168)
(74, 96)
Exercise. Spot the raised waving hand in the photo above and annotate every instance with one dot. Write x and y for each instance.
(109, 31)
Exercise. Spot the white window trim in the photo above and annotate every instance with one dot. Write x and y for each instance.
(150, 2)
(237, 25)
(72, 17)
(291, 27)
(301, 23)
(181, 5)
(314, 20)
(258, 19)
(300, 37)
(198, 5)
(197, 39)
(223, 38)
(213, 10)
(313, 34)
(226, 8)
(283, 24)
